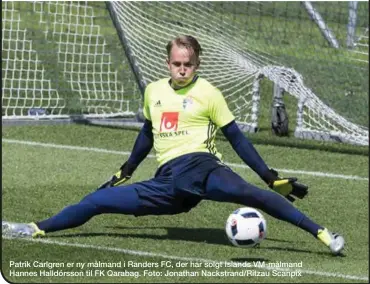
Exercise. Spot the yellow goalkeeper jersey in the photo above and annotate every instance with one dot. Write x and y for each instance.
(186, 120)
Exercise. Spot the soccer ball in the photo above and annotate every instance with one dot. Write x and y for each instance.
(246, 227)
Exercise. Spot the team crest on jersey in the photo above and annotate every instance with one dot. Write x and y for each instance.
(187, 102)
(169, 121)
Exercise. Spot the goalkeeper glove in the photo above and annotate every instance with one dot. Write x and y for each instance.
(123, 175)
(288, 187)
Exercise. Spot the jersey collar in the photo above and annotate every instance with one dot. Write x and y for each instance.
(185, 88)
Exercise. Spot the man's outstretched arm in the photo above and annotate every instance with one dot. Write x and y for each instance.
(244, 148)
(246, 151)
(142, 147)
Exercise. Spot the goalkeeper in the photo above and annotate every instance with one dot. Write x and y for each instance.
(183, 113)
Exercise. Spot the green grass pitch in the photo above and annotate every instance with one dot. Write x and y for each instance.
(39, 180)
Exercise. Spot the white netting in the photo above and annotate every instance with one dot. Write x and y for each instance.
(24, 84)
(56, 58)
(82, 53)
(361, 47)
(228, 62)
(315, 119)
(223, 64)
(80, 72)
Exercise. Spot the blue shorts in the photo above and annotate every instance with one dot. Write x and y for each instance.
(177, 187)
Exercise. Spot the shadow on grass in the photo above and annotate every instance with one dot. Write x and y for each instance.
(199, 235)
(295, 250)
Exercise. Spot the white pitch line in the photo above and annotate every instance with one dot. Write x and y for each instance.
(99, 150)
(194, 259)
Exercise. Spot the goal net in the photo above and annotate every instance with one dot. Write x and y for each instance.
(230, 62)
(361, 47)
(56, 63)
(64, 58)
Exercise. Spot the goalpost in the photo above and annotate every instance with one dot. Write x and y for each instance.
(58, 63)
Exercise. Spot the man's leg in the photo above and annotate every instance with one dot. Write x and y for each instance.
(225, 185)
(122, 199)
(152, 197)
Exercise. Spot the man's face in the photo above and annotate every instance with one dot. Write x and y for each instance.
(182, 65)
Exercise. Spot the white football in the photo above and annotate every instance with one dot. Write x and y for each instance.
(246, 227)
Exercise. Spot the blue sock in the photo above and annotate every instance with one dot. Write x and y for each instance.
(226, 186)
(310, 226)
(280, 208)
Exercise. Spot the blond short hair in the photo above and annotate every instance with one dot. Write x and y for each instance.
(185, 41)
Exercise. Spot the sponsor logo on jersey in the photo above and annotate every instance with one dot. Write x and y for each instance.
(158, 104)
(169, 121)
